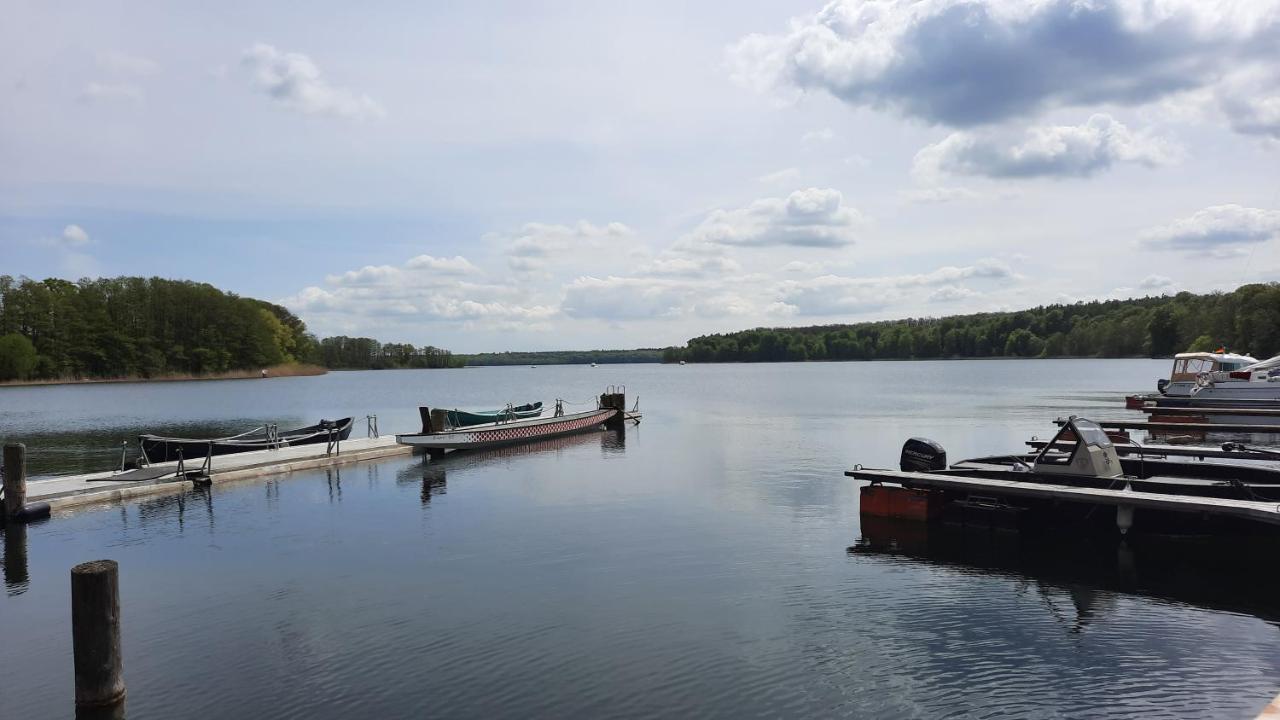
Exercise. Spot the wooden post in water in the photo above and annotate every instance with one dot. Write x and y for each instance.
(95, 633)
(15, 480)
(617, 401)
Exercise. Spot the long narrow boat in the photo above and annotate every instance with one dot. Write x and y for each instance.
(507, 433)
(467, 418)
(157, 448)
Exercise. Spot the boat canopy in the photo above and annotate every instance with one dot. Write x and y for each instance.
(1267, 364)
(1186, 366)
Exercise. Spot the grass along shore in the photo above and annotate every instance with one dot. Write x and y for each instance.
(286, 370)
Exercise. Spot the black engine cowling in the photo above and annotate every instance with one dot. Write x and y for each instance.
(922, 455)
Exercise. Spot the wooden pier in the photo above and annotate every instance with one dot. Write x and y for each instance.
(1184, 426)
(1265, 512)
(103, 487)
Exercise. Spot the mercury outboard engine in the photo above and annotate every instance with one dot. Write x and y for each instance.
(1161, 384)
(922, 455)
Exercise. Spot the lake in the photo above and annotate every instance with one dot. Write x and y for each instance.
(708, 563)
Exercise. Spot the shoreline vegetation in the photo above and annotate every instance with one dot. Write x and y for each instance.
(276, 371)
(1245, 320)
(128, 329)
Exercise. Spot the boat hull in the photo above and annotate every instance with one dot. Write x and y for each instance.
(166, 449)
(508, 433)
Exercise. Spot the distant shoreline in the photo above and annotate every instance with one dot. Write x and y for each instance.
(272, 372)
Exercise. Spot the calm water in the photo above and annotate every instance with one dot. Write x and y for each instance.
(709, 563)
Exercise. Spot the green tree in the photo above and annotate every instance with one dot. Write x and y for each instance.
(17, 357)
(1204, 343)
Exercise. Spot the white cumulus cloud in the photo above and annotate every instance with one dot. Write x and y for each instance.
(1056, 151)
(75, 236)
(814, 217)
(294, 81)
(456, 265)
(1218, 231)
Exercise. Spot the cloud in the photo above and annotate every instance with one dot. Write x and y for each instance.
(839, 295)
(75, 236)
(425, 288)
(531, 249)
(124, 92)
(456, 265)
(816, 217)
(1218, 231)
(971, 62)
(294, 81)
(799, 266)
(1153, 282)
(681, 266)
(952, 293)
(623, 298)
(1250, 101)
(1057, 151)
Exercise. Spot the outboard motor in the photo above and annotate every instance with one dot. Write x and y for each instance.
(922, 455)
(1161, 384)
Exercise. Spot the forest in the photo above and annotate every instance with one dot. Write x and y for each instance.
(1244, 320)
(567, 357)
(361, 353)
(151, 327)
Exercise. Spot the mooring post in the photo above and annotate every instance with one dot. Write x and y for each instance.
(15, 480)
(95, 633)
(439, 420)
(617, 401)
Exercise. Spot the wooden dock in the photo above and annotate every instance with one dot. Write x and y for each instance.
(94, 488)
(1266, 512)
(1184, 426)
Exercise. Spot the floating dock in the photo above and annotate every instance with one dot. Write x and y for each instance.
(161, 478)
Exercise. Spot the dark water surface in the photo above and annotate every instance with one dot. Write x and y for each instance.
(709, 563)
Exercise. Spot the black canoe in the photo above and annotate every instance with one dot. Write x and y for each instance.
(163, 449)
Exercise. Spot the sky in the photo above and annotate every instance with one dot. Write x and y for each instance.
(491, 176)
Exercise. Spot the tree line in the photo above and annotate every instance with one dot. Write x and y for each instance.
(567, 357)
(1245, 320)
(362, 353)
(149, 327)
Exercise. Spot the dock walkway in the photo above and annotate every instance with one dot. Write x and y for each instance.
(74, 490)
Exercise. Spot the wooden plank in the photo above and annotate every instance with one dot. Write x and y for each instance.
(1157, 410)
(1268, 512)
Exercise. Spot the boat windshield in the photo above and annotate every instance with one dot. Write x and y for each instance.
(1092, 433)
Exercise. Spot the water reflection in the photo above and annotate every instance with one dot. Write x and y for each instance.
(1079, 578)
(165, 509)
(16, 577)
(433, 483)
(333, 476)
(614, 442)
(115, 712)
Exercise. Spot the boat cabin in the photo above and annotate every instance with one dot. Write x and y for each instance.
(1081, 447)
(1190, 367)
